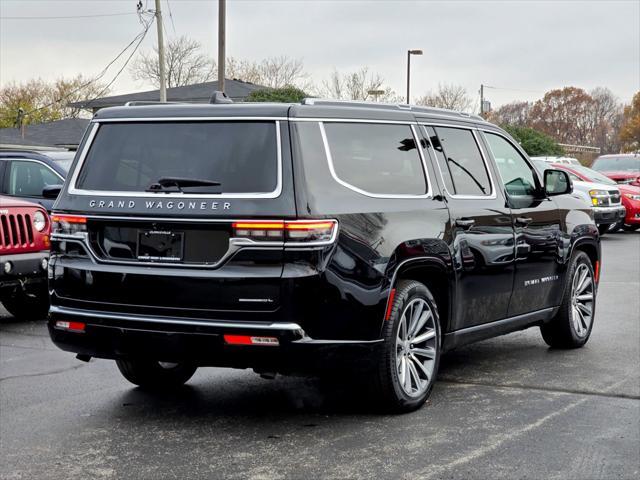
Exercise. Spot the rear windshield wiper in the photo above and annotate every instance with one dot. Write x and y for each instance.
(175, 184)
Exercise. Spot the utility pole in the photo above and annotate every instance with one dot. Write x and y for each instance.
(481, 100)
(161, 61)
(222, 14)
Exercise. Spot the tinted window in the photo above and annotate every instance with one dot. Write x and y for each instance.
(463, 161)
(440, 158)
(28, 179)
(242, 156)
(377, 158)
(517, 175)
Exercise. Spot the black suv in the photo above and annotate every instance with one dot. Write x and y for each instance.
(299, 238)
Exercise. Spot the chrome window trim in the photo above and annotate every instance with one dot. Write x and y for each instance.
(345, 184)
(108, 193)
(352, 120)
(186, 119)
(175, 320)
(493, 195)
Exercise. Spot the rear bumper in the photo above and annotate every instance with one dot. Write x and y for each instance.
(26, 268)
(604, 215)
(114, 336)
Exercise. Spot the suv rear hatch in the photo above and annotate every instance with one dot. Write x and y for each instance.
(166, 224)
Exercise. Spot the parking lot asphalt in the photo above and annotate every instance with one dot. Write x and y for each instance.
(503, 408)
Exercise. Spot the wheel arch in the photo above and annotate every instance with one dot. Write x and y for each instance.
(433, 272)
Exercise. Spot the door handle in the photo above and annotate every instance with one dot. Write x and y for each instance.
(523, 221)
(465, 223)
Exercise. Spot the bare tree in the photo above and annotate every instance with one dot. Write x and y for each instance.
(606, 120)
(515, 114)
(273, 72)
(358, 86)
(186, 64)
(449, 96)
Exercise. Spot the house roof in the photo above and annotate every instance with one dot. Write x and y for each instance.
(196, 93)
(66, 132)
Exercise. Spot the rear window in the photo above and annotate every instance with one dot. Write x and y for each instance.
(379, 159)
(241, 156)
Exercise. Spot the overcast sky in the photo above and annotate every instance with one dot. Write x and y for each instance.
(523, 47)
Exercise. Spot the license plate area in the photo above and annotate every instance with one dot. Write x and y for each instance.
(160, 246)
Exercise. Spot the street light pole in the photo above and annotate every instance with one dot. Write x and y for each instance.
(409, 53)
(161, 61)
(222, 13)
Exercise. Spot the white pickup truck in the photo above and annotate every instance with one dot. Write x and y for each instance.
(605, 200)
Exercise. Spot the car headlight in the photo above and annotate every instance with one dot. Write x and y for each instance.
(632, 196)
(39, 221)
(598, 197)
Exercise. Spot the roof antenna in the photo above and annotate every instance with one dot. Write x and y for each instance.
(219, 97)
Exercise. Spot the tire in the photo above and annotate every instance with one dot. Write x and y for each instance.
(604, 228)
(397, 356)
(31, 306)
(569, 329)
(631, 228)
(155, 375)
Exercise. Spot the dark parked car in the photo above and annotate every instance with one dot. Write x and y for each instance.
(26, 175)
(322, 236)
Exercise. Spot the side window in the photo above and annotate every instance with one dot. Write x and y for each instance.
(440, 158)
(461, 162)
(516, 173)
(380, 159)
(28, 179)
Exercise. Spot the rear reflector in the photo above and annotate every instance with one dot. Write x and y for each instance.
(249, 340)
(392, 296)
(597, 272)
(71, 326)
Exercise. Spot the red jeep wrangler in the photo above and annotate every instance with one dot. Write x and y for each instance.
(24, 256)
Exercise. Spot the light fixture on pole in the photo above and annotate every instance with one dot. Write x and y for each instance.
(375, 94)
(409, 53)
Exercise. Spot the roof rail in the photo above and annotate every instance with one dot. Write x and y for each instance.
(137, 103)
(389, 106)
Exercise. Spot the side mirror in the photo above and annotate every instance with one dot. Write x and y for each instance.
(51, 191)
(557, 182)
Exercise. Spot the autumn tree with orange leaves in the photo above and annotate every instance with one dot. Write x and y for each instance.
(630, 130)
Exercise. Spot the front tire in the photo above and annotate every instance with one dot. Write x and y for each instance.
(408, 364)
(155, 375)
(631, 228)
(28, 306)
(572, 325)
(604, 228)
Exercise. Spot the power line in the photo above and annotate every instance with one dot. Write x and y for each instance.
(139, 38)
(69, 16)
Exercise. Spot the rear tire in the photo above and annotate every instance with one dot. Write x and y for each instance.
(408, 363)
(32, 306)
(155, 375)
(572, 325)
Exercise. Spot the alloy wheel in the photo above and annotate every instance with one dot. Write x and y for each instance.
(416, 347)
(582, 295)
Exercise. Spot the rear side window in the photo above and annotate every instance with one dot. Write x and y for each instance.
(28, 179)
(461, 162)
(241, 156)
(378, 159)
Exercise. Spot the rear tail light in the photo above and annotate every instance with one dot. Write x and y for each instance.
(251, 340)
(68, 224)
(298, 231)
(71, 326)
